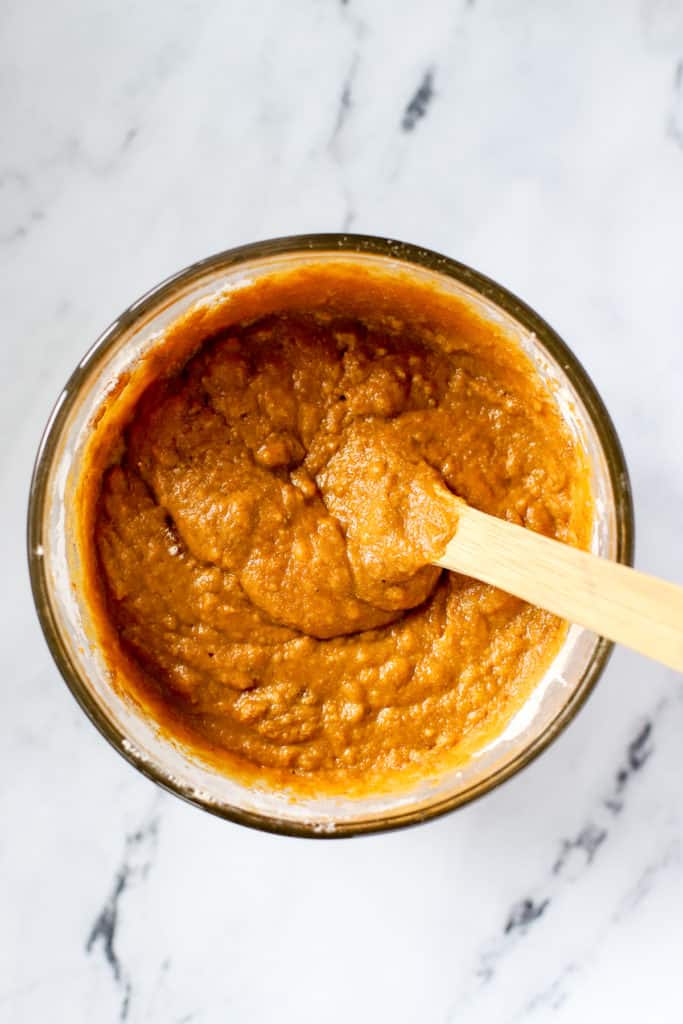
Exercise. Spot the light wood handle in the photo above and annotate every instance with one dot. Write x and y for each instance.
(641, 611)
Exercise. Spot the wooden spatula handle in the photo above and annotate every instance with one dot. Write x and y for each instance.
(621, 604)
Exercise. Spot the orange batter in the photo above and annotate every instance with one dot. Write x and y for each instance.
(263, 509)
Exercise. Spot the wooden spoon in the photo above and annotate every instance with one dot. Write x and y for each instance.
(624, 605)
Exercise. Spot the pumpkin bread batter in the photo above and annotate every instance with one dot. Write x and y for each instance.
(264, 516)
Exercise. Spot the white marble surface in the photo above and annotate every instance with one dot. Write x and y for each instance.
(546, 149)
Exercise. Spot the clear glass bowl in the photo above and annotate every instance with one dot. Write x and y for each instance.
(54, 556)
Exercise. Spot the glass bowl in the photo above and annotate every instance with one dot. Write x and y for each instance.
(54, 556)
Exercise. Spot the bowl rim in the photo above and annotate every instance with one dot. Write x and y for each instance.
(339, 244)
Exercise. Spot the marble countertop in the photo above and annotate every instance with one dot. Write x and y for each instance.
(541, 143)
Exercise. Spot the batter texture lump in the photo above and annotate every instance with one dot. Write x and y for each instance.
(264, 517)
